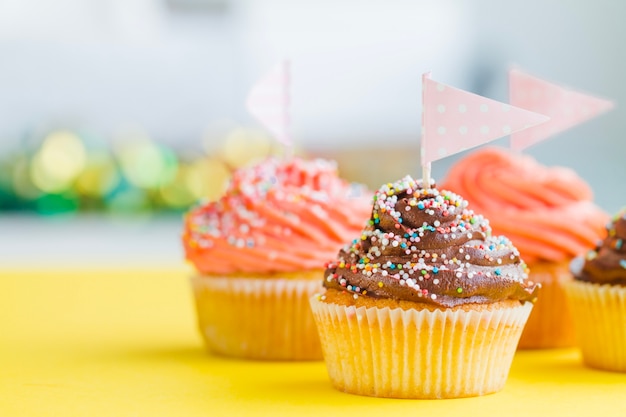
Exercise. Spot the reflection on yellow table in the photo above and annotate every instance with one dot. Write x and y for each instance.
(123, 343)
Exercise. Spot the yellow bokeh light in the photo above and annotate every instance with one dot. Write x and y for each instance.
(206, 178)
(243, 146)
(58, 162)
(145, 164)
(176, 193)
(99, 177)
(202, 178)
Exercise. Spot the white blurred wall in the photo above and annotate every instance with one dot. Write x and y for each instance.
(176, 67)
(101, 64)
(577, 43)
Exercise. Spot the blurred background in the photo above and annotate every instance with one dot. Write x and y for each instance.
(117, 115)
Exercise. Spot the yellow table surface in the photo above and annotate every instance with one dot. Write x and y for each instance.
(124, 343)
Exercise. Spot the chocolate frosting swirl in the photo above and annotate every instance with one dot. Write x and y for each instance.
(424, 245)
(607, 263)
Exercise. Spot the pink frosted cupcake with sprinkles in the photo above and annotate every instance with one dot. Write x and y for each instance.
(260, 252)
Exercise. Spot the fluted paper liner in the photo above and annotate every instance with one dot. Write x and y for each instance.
(418, 353)
(550, 324)
(264, 318)
(600, 319)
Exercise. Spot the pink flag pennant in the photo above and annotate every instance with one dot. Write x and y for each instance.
(565, 107)
(269, 102)
(454, 120)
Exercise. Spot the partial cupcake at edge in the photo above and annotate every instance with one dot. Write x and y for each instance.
(259, 252)
(425, 303)
(549, 216)
(598, 299)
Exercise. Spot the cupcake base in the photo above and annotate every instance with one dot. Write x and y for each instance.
(600, 318)
(410, 353)
(258, 318)
(550, 324)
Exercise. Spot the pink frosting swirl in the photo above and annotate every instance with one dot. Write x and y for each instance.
(277, 216)
(546, 212)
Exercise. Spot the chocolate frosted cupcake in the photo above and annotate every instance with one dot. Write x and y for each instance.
(425, 303)
(598, 299)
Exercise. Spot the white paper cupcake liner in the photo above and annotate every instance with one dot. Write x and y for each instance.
(257, 318)
(600, 318)
(418, 353)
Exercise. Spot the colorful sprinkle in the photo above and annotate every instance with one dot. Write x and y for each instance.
(425, 266)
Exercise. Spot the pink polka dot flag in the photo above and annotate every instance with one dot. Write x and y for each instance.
(269, 103)
(565, 107)
(454, 120)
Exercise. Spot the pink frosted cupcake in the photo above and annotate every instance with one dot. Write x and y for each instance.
(260, 252)
(549, 216)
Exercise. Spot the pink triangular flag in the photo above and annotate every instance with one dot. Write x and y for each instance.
(454, 120)
(565, 107)
(268, 102)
